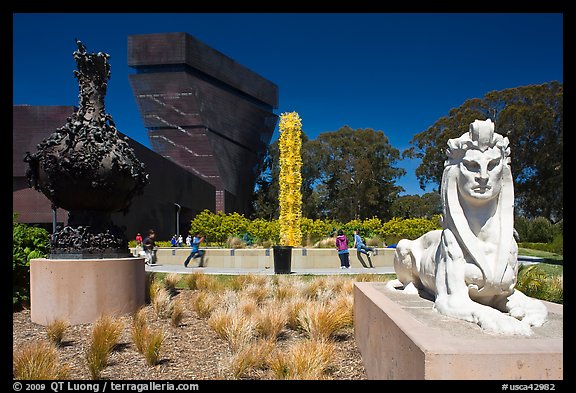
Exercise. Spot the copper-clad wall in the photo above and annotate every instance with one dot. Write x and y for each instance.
(30, 126)
(156, 208)
(204, 111)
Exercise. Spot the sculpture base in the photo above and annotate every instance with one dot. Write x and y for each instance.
(400, 336)
(79, 291)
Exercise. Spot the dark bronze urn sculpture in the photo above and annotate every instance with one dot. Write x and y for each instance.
(85, 167)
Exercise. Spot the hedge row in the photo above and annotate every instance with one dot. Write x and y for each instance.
(218, 228)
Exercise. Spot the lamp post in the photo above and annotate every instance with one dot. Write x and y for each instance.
(177, 218)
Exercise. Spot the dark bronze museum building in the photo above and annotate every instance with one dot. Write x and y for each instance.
(209, 121)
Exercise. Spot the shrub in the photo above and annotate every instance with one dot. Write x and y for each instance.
(410, 228)
(540, 230)
(27, 243)
(534, 282)
(161, 303)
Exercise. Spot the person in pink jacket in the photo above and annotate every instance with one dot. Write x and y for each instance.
(342, 247)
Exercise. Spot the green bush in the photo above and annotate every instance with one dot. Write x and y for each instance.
(410, 228)
(540, 231)
(533, 281)
(316, 230)
(28, 242)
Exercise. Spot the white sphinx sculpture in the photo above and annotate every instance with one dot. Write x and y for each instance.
(470, 267)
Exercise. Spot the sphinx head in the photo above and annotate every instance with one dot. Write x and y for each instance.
(480, 158)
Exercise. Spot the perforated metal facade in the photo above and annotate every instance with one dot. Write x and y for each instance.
(204, 111)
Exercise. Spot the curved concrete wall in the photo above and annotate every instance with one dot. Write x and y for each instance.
(81, 290)
(302, 258)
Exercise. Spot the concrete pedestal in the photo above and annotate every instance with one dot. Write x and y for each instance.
(401, 337)
(81, 290)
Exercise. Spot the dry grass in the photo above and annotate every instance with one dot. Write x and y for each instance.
(262, 327)
(161, 302)
(234, 327)
(251, 357)
(235, 242)
(271, 320)
(329, 242)
(139, 329)
(293, 309)
(207, 282)
(248, 306)
(38, 361)
(105, 334)
(304, 359)
(191, 279)
(204, 303)
(55, 331)
(154, 339)
(177, 311)
(171, 280)
(321, 321)
(257, 292)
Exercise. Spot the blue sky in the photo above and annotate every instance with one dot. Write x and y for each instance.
(393, 72)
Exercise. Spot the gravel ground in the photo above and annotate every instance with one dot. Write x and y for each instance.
(192, 351)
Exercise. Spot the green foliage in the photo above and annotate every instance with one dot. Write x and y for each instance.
(424, 206)
(410, 228)
(260, 232)
(218, 227)
(28, 242)
(540, 230)
(533, 281)
(315, 230)
(532, 119)
(540, 234)
(263, 230)
(346, 174)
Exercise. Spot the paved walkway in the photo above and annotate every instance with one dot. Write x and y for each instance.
(223, 270)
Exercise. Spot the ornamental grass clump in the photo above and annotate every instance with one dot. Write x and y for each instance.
(105, 335)
(170, 282)
(38, 361)
(55, 331)
(290, 180)
(204, 303)
(306, 359)
(139, 329)
(322, 321)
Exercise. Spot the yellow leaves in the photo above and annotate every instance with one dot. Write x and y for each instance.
(290, 198)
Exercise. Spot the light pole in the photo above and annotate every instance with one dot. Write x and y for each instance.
(177, 218)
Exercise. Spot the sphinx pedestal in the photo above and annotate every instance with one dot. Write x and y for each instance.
(401, 337)
(81, 290)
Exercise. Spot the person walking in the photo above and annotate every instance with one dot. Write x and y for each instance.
(189, 241)
(342, 247)
(362, 248)
(195, 252)
(149, 245)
